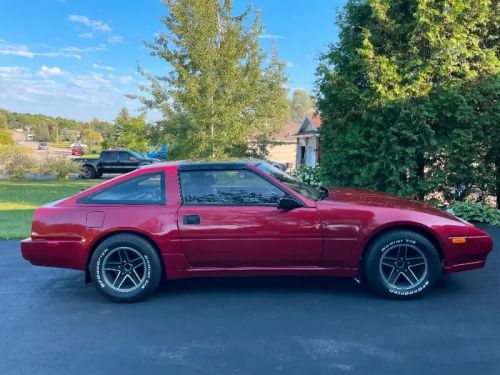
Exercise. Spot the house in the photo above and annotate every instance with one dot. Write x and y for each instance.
(284, 145)
(308, 142)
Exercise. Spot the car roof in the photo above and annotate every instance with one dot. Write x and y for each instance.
(210, 164)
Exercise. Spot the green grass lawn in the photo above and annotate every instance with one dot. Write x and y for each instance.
(19, 199)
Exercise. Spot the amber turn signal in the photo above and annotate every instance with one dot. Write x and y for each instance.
(458, 240)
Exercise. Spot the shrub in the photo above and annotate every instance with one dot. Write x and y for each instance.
(5, 137)
(476, 212)
(60, 166)
(310, 175)
(16, 160)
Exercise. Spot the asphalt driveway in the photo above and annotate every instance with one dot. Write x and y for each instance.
(52, 323)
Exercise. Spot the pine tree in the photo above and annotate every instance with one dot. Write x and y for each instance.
(407, 95)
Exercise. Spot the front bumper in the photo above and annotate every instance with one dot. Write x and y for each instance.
(468, 256)
(62, 254)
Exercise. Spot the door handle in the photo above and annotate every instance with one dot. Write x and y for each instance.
(191, 219)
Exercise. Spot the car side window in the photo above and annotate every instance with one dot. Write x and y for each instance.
(109, 156)
(145, 189)
(125, 156)
(228, 188)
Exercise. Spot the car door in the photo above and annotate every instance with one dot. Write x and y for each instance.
(109, 162)
(229, 218)
(127, 161)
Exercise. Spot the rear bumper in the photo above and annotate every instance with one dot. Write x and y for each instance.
(468, 256)
(62, 254)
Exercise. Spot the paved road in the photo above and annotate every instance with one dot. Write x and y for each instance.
(51, 323)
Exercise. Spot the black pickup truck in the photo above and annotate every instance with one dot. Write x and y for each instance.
(112, 161)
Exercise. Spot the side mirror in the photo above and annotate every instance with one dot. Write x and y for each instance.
(288, 204)
(133, 159)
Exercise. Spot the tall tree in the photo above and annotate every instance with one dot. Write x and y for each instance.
(221, 90)
(127, 132)
(404, 97)
(300, 105)
(5, 137)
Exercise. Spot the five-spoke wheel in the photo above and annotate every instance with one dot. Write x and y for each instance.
(401, 264)
(125, 268)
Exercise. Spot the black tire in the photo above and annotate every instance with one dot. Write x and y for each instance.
(98, 175)
(125, 268)
(401, 264)
(87, 172)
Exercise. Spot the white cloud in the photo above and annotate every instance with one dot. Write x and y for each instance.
(72, 95)
(100, 47)
(125, 79)
(86, 35)
(115, 39)
(7, 48)
(46, 72)
(93, 24)
(271, 36)
(13, 72)
(102, 67)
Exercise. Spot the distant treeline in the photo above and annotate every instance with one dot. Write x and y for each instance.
(51, 129)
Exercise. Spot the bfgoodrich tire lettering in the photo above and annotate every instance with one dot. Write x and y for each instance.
(125, 268)
(401, 264)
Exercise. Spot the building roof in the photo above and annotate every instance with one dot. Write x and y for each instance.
(287, 132)
(310, 125)
(315, 120)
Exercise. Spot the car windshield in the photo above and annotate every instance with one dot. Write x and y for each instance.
(293, 183)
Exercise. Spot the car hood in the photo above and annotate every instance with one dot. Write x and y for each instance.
(378, 199)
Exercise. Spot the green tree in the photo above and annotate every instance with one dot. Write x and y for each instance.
(409, 97)
(5, 137)
(3, 121)
(300, 105)
(222, 90)
(128, 132)
(91, 137)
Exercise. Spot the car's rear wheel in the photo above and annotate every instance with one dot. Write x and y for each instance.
(401, 264)
(87, 172)
(125, 268)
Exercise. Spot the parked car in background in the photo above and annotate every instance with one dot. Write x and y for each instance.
(77, 150)
(159, 154)
(246, 218)
(43, 146)
(113, 161)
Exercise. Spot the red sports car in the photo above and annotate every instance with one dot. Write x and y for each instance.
(246, 218)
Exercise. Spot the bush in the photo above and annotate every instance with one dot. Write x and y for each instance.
(60, 166)
(310, 175)
(476, 212)
(5, 137)
(16, 161)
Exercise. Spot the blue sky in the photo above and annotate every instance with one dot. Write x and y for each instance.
(78, 58)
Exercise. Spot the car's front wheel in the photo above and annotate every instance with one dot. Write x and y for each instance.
(125, 268)
(402, 264)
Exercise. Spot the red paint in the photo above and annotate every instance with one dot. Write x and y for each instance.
(327, 237)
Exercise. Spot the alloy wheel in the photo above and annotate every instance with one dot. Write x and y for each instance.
(403, 266)
(124, 269)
